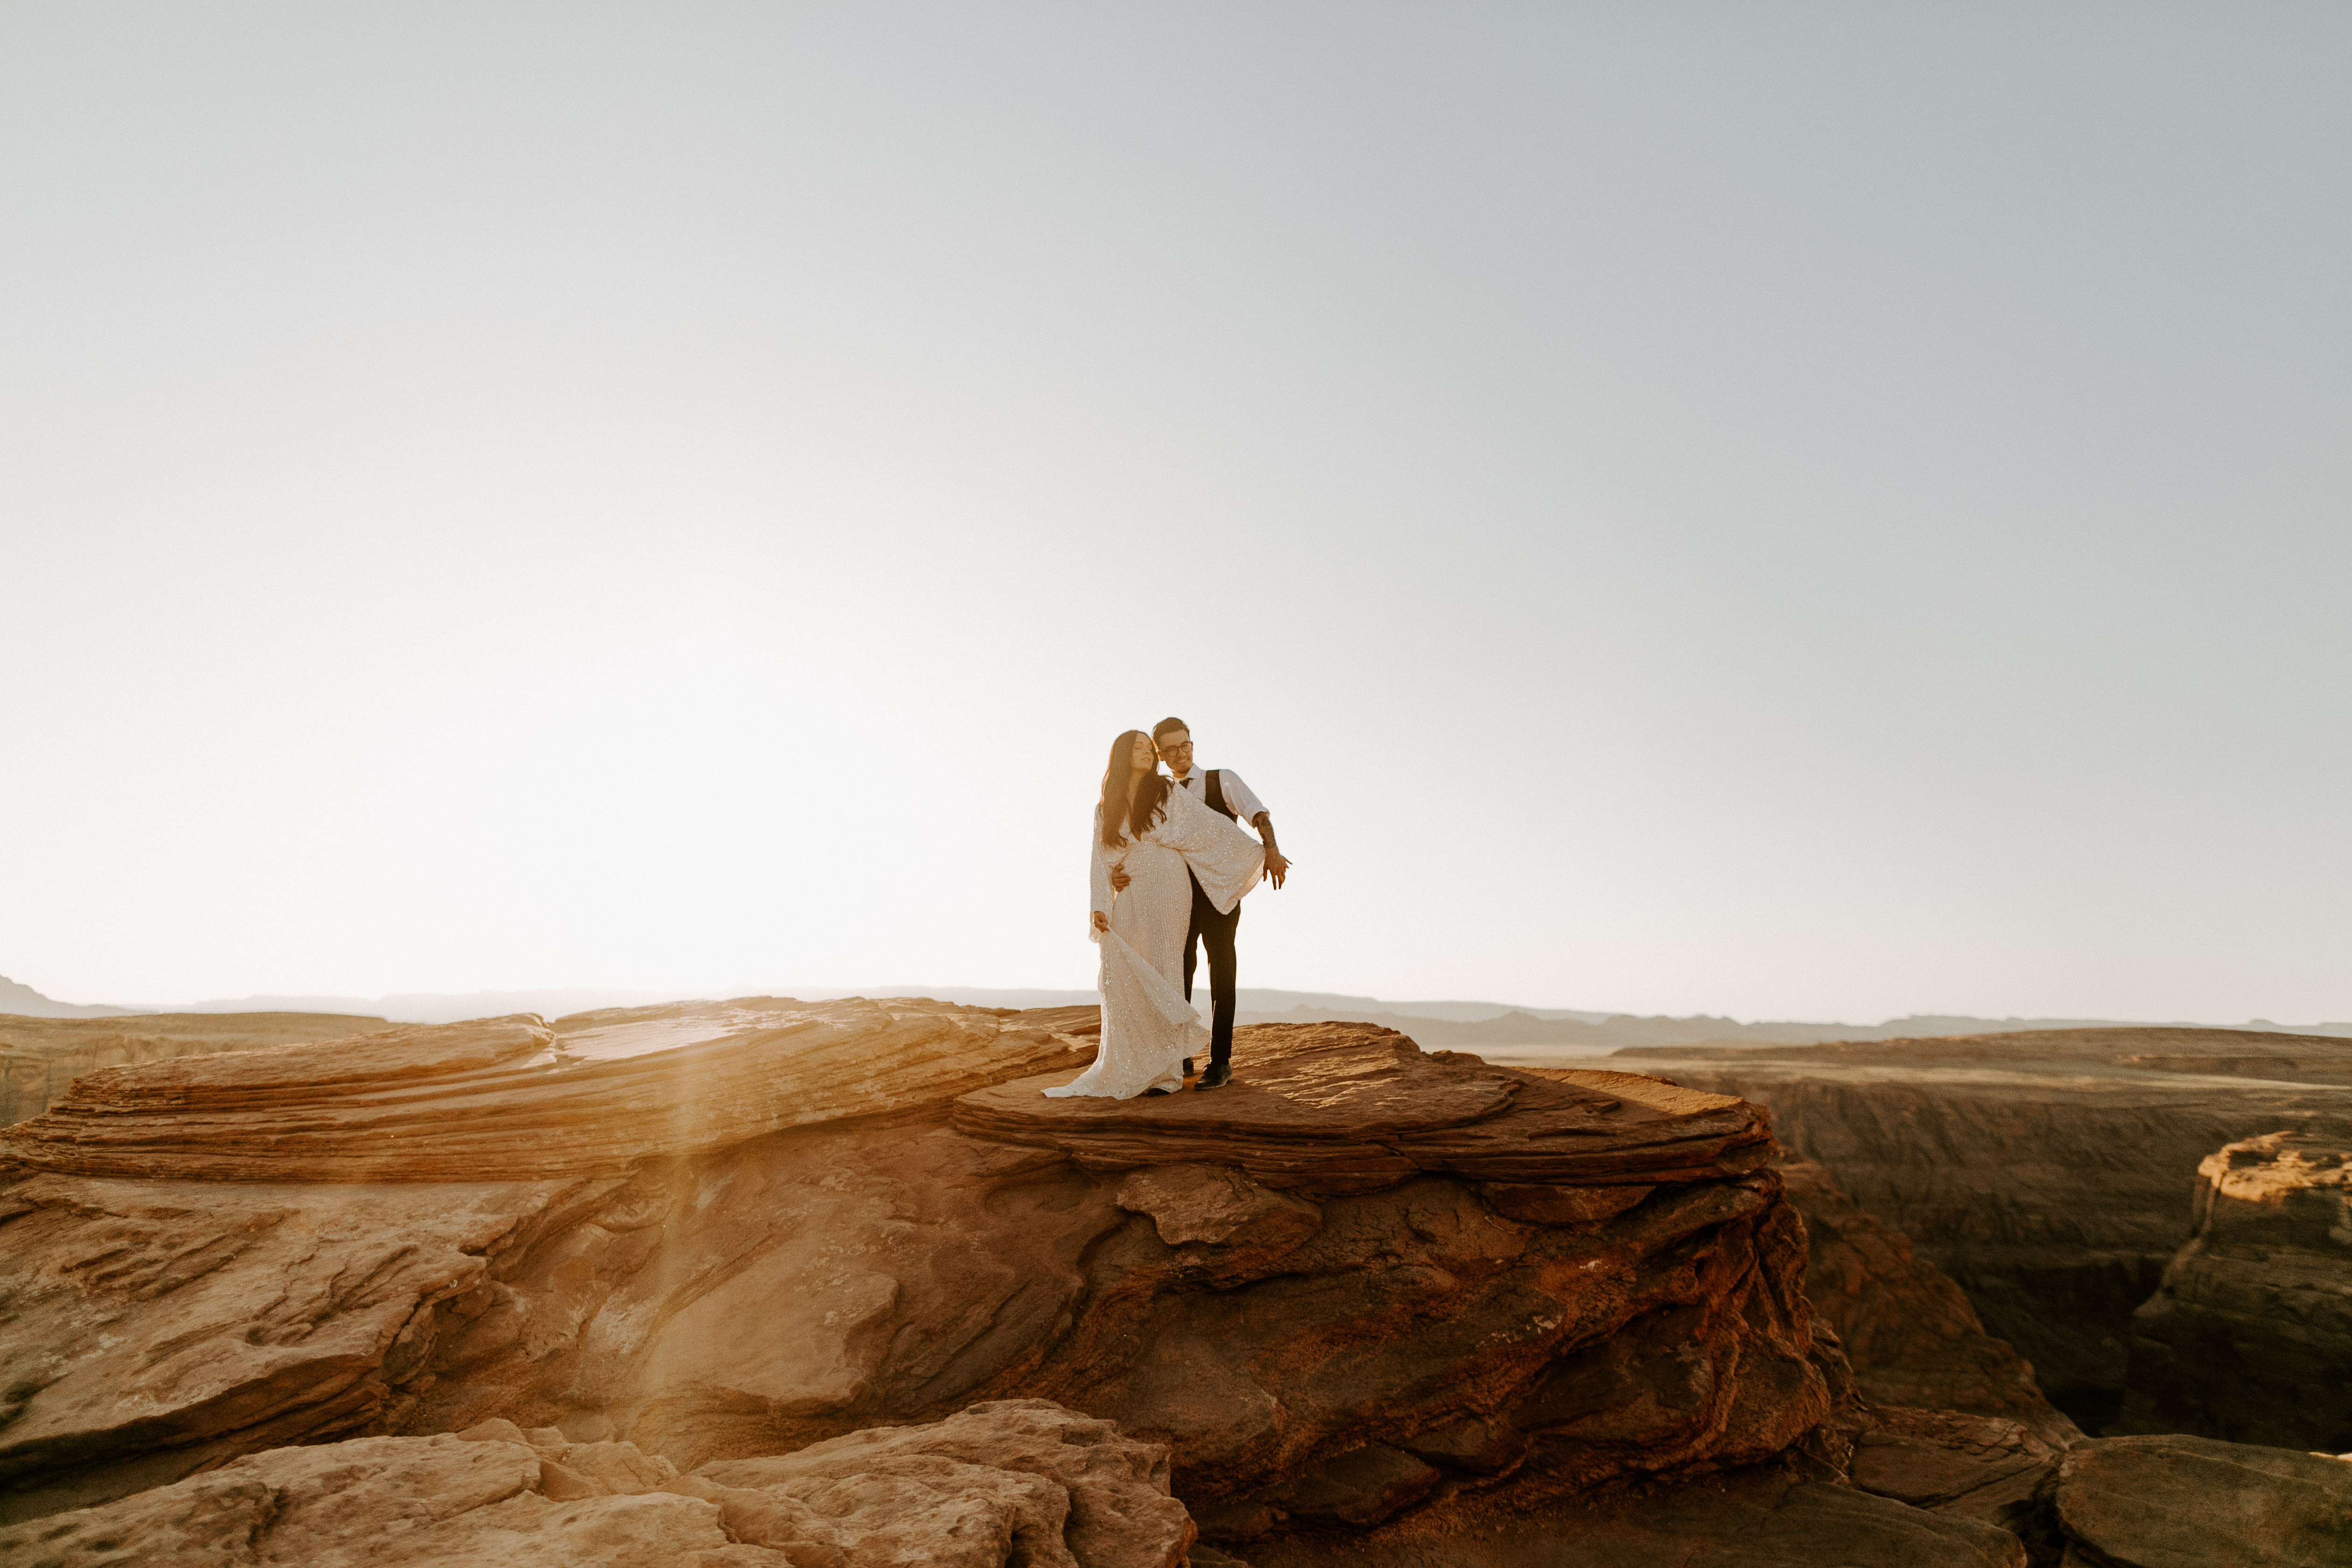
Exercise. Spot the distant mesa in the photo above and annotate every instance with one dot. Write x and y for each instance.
(24, 1002)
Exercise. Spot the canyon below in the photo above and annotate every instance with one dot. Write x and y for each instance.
(778, 1282)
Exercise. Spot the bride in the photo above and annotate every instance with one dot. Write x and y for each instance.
(1157, 836)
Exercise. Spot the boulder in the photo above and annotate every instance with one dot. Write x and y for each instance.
(1358, 1285)
(2249, 1338)
(1021, 1482)
(381, 1501)
(2042, 1171)
(2190, 1502)
(1074, 1491)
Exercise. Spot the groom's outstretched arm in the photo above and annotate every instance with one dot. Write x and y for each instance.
(1276, 867)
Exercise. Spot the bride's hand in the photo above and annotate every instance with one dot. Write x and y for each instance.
(1102, 922)
(1120, 879)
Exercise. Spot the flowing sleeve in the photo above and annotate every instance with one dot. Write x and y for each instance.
(1098, 894)
(1227, 861)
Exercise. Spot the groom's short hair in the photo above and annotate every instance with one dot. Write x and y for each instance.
(1167, 725)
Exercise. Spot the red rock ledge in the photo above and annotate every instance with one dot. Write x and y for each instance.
(1326, 1109)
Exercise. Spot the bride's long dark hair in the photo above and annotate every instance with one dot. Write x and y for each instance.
(1151, 794)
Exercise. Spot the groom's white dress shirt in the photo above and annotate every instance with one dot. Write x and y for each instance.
(1237, 795)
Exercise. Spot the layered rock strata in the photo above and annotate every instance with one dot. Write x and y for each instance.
(1371, 1304)
(1018, 1481)
(2042, 1171)
(40, 1056)
(2249, 1338)
(1335, 1109)
(503, 1098)
(1362, 1282)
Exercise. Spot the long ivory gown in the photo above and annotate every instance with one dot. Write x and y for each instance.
(1148, 1027)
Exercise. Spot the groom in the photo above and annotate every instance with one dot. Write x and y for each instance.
(1223, 791)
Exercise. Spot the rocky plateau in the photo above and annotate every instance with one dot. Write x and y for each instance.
(764, 1282)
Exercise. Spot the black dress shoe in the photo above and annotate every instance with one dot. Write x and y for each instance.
(1149, 1092)
(1217, 1077)
(1187, 1066)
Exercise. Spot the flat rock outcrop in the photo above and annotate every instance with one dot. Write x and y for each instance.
(40, 1056)
(2249, 1338)
(1909, 1333)
(1330, 1108)
(1013, 1482)
(2042, 1171)
(1507, 1285)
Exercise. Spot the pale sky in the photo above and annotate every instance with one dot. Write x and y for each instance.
(1790, 510)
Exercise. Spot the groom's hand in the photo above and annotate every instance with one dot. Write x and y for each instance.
(1277, 866)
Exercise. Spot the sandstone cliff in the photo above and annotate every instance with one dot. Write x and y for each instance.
(2044, 1172)
(1362, 1282)
(1909, 1333)
(2250, 1336)
(40, 1056)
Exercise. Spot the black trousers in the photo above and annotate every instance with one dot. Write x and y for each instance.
(1214, 932)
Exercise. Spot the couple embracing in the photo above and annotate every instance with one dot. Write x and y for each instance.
(1170, 864)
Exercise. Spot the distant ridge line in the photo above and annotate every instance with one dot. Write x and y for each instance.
(1443, 1024)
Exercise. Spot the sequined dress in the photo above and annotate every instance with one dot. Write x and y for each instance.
(1148, 1027)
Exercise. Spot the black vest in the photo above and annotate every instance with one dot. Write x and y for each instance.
(1216, 793)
